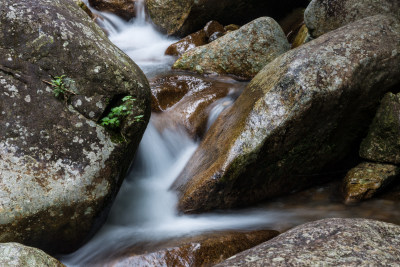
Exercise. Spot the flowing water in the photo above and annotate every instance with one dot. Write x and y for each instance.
(144, 211)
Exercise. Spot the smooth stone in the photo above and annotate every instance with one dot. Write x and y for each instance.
(242, 53)
(367, 179)
(301, 114)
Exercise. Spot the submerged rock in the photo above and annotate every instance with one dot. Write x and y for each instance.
(203, 250)
(17, 255)
(183, 17)
(302, 112)
(322, 16)
(329, 242)
(366, 179)
(59, 169)
(123, 8)
(382, 143)
(243, 52)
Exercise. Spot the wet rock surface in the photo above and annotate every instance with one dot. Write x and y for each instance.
(367, 179)
(17, 255)
(382, 144)
(298, 115)
(185, 101)
(123, 8)
(181, 17)
(322, 16)
(191, 41)
(203, 250)
(242, 53)
(209, 33)
(329, 242)
(59, 168)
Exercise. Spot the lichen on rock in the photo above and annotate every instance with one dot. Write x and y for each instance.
(59, 168)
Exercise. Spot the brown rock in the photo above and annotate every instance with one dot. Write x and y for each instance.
(301, 37)
(185, 101)
(302, 112)
(213, 27)
(231, 27)
(204, 250)
(189, 42)
(329, 242)
(366, 179)
(196, 39)
(123, 8)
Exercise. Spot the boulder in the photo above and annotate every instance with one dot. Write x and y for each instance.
(366, 179)
(203, 250)
(183, 17)
(199, 38)
(191, 41)
(322, 16)
(185, 101)
(329, 242)
(242, 53)
(301, 37)
(59, 169)
(123, 8)
(17, 255)
(382, 143)
(302, 113)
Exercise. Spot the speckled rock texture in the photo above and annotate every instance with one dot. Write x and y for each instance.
(366, 179)
(242, 53)
(322, 16)
(59, 169)
(183, 17)
(382, 143)
(329, 242)
(203, 250)
(299, 115)
(85, 8)
(17, 255)
(123, 8)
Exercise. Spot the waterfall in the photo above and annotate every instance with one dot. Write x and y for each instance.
(144, 210)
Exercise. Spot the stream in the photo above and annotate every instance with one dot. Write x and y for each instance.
(144, 213)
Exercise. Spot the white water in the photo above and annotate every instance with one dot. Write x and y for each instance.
(144, 210)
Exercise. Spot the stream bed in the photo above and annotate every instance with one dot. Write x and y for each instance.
(144, 213)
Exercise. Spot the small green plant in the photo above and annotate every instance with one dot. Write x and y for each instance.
(117, 114)
(59, 87)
